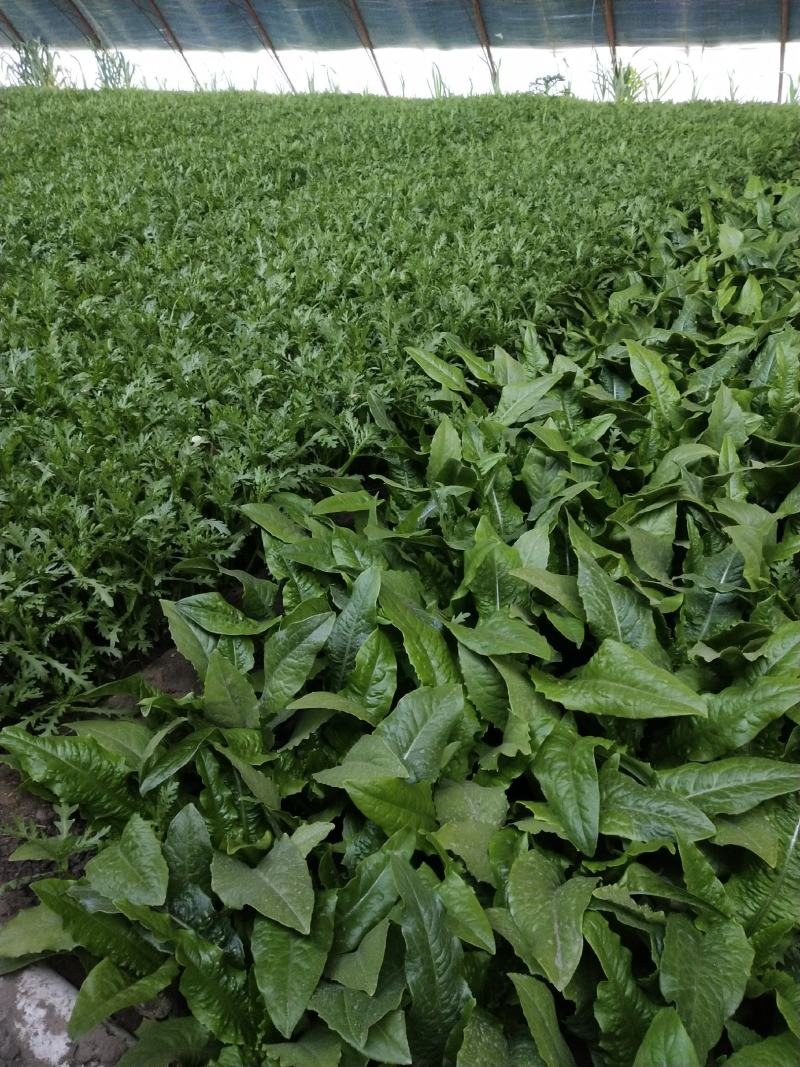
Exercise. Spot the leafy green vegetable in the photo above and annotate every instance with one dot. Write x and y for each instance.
(494, 756)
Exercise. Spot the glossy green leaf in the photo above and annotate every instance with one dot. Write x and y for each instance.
(106, 990)
(228, 697)
(433, 966)
(620, 681)
(666, 1043)
(133, 868)
(279, 887)
(704, 975)
(731, 786)
(549, 912)
(540, 1014)
(566, 770)
(288, 965)
(213, 613)
(289, 657)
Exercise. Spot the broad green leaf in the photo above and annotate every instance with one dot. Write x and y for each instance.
(700, 877)
(780, 1050)
(228, 697)
(373, 680)
(127, 739)
(33, 930)
(621, 1009)
(158, 769)
(443, 373)
(498, 635)
(188, 852)
(77, 770)
(539, 1010)
(216, 992)
(731, 786)
(361, 968)
(464, 912)
(337, 503)
(562, 588)
(484, 685)
(364, 902)
(99, 933)
(353, 624)
(132, 868)
(704, 975)
(520, 401)
(666, 1043)
(369, 758)
(445, 453)
(159, 1044)
(213, 613)
(549, 912)
(753, 830)
(484, 1043)
(712, 605)
(489, 571)
(646, 813)
(738, 714)
(470, 815)
(620, 681)
(192, 641)
(275, 522)
(351, 1013)
(434, 967)
(566, 770)
(279, 888)
(387, 1040)
(393, 804)
(106, 990)
(421, 727)
(240, 652)
(651, 373)
(318, 1047)
(424, 644)
(289, 656)
(614, 610)
(288, 965)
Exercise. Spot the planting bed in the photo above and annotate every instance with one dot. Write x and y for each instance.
(481, 543)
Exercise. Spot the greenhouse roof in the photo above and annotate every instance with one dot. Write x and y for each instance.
(335, 24)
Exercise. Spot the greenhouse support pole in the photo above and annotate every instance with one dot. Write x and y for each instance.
(87, 29)
(10, 29)
(168, 32)
(784, 31)
(611, 30)
(266, 40)
(483, 37)
(366, 41)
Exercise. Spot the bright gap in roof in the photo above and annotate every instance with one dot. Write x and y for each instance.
(749, 72)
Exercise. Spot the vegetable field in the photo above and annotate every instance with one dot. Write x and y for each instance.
(460, 442)
(200, 294)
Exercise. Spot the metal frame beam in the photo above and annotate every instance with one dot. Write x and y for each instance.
(264, 37)
(168, 32)
(366, 41)
(87, 29)
(784, 33)
(611, 29)
(483, 36)
(10, 29)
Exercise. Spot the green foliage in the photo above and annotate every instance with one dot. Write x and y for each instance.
(499, 763)
(35, 65)
(206, 300)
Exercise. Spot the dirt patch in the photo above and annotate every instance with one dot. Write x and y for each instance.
(15, 804)
(172, 674)
(169, 672)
